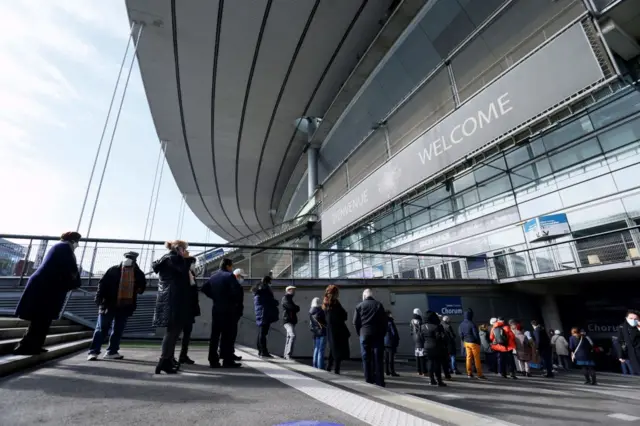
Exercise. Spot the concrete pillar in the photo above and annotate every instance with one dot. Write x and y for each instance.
(550, 313)
(314, 256)
(312, 170)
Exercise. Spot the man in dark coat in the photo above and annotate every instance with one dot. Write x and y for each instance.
(45, 293)
(629, 340)
(194, 311)
(370, 321)
(116, 297)
(220, 288)
(470, 337)
(289, 319)
(239, 302)
(543, 343)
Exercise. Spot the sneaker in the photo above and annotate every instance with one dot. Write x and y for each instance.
(470, 376)
(482, 378)
(231, 365)
(237, 358)
(186, 360)
(266, 356)
(92, 357)
(112, 356)
(214, 365)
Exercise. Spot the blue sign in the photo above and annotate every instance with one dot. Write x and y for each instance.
(546, 227)
(445, 305)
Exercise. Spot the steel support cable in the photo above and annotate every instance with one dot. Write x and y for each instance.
(153, 190)
(104, 128)
(155, 206)
(180, 217)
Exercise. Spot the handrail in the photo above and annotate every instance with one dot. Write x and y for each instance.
(617, 231)
(245, 247)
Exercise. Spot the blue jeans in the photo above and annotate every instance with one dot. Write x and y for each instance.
(452, 363)
(318, 351)
(626, 367)
(372, 349)
(105, 322)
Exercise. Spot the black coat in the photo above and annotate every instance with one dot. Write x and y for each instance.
(369, 319)
(337, 332)
(629, 340)
(433, 336)
(392, 338)
(450, 339)
(317, 322)
(107, 293)
(289, 310)
(46, 290)
(221, 288)
(415, 327)
(238, 297)
(174, 291)
(265, 305)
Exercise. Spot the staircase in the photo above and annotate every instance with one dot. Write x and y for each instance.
(64, 337)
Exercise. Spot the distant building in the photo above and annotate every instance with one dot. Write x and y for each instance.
(10, 255)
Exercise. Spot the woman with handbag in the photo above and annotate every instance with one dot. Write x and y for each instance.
(318, 327)
(581, 347)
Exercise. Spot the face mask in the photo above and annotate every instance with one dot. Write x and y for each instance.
(240, 280)
(127, 262)
(633, 322)
(74, 245)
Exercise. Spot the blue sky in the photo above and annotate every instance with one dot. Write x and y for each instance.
(60, 60)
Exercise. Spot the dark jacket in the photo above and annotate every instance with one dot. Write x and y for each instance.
(415, 327)
(173, 296)
(264, 305)
(370, 319)
(542, 339)
(289, 310)
(449, 338)
(238, 297)
(317, 322)
(194, 299)
(629, 340)
(108, 286)
(468, 330)
(392, 338)
(337, 332)
(583, 352)
(47, 288)
(485, 343)
(221, 289)
(433, 335)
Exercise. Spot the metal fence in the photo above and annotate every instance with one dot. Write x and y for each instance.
(20, 256)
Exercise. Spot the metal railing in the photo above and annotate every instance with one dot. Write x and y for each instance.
(20, 256)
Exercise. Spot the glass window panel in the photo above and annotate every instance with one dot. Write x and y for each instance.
(576, 154)
(530, 173)
(494, 187)
(420, 219)
(582, 172)
(587, 191)
(492, 169)
(567, 133)
(441, 210)
(616, 110)
(463, 182)
(525, 153)
(467, 198)
(624, 157)
(536, 207)
(627, 178)
(438, 195)
(632, 205)
(417, 55)
(595, 215)
(620, 136)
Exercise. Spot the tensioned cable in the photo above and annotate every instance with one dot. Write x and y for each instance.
(155, 206)
(153, 191)
(180, 217)
(104, 128)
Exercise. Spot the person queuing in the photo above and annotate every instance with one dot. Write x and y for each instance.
(503, 343)
(582, 354)
(470, 338)
(543, 343)
(370, 322)
(415, 326)
(617, 352)
(485, 344)
(193, 310)
(391, 343)
(318, 327)
(172, 301)
(337, 332)
(221, 288)
(239, 304)
(450, 338)
(266, 309)
(523, 351)
(116, 297)
(561, 348)
(434, 345)
(289, 319)
(629, 340)
(45, 293)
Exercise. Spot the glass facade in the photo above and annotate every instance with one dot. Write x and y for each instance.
(586, 167)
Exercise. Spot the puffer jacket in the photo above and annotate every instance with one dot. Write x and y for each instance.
(414, 326)
(174, 291)
(511, 338)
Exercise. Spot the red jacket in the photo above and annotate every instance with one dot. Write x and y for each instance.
(511, 338)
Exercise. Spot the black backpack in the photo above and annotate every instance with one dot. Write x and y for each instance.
(499, 337)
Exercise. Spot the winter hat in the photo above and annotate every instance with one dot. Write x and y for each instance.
(557, 332)
(493, 321)
(417, 311)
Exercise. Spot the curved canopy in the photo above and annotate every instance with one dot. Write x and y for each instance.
(225, 81)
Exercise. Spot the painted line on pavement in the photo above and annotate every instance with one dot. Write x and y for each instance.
(625, 417)
(432, 409)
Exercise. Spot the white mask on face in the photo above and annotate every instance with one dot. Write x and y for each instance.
(193, 268)
(74, 245)
(127, 262)
(633, 322)
(240, 280)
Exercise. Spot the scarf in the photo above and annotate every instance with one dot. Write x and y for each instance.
(126, 287)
